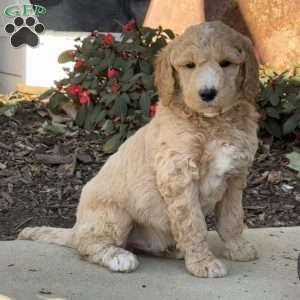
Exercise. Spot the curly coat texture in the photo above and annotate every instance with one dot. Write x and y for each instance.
(191, 160)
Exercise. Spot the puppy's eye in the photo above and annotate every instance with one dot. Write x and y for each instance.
(225, 63)
(190, 65)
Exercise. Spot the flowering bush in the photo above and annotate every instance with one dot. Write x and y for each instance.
(279, 101)
(111, 83)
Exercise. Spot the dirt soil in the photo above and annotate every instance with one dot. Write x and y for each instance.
(43, 168)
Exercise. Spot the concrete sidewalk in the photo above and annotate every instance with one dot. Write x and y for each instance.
(35, 270)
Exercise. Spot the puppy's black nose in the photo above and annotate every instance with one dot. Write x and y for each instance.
(208, 95)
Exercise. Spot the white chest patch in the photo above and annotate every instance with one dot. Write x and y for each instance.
(224, 158)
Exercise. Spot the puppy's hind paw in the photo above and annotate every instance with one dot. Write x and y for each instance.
(240, 250)
(212, 268)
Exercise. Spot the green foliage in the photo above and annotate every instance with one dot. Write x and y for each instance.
(112, 86)
(279, 101)
(294, 161)
(111, 83)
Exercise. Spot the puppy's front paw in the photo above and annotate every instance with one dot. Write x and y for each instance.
(240, 250)
(208, 268)
(121, 261)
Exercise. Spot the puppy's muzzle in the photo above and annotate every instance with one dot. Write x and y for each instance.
(208, 95)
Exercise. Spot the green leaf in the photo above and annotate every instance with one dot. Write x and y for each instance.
(112, 144)
(56, 100)
(287, 108)
(103, 65)
(291, 123)
(146, 67)
(292, 98)
(160, 43)
(127, 36)
(78, 78)
(47, 94)
(149, 34)
(273, 127)
(294, 161)
(136, 77)
(148, 82)
(272, 112)
(81, 115)
(94, 60)
(274, 98)
(108, 127)
(134, 96)
(120, 107)
(109, 57)
(127, 74)
(123, 129)
(90, 76)
(145, 102)
(269, 72)
(86, 84)
(130, 133)
(55, 128)
(169, 33)
(62, 82)
(65, 57)
(94, 84)
(119, 63)
(126, 86)
(108, 98)
(98, 115)
(88, 124)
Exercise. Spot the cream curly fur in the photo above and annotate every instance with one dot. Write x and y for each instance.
(191, 160)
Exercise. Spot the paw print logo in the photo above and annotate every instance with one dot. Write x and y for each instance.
(24, 31)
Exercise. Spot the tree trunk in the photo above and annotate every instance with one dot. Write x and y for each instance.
(275, 29)
(174, 14)
(273, 26)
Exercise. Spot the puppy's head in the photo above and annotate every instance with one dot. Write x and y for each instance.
(209, 67)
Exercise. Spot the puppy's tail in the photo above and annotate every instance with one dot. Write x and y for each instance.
(59, 236)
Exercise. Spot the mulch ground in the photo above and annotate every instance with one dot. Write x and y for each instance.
(42, 171)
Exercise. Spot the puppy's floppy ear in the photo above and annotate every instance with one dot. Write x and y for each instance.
(164, 77)
(251, 83)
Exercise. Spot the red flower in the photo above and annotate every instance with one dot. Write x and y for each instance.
(129, 26)
(152, 110)
(84, 98)
(79, 64)
(258, 116)
(111, 73)
(108, 39)
(116, 120)
(115, 86)
(74, 89)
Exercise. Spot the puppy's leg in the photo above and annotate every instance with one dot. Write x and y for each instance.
(100, 236)
(177, 181)
(230, 222)
(153, 241)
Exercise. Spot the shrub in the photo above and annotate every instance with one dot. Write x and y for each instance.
(111, 83)
(279, 101)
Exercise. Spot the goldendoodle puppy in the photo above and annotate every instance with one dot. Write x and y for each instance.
(191, 160)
